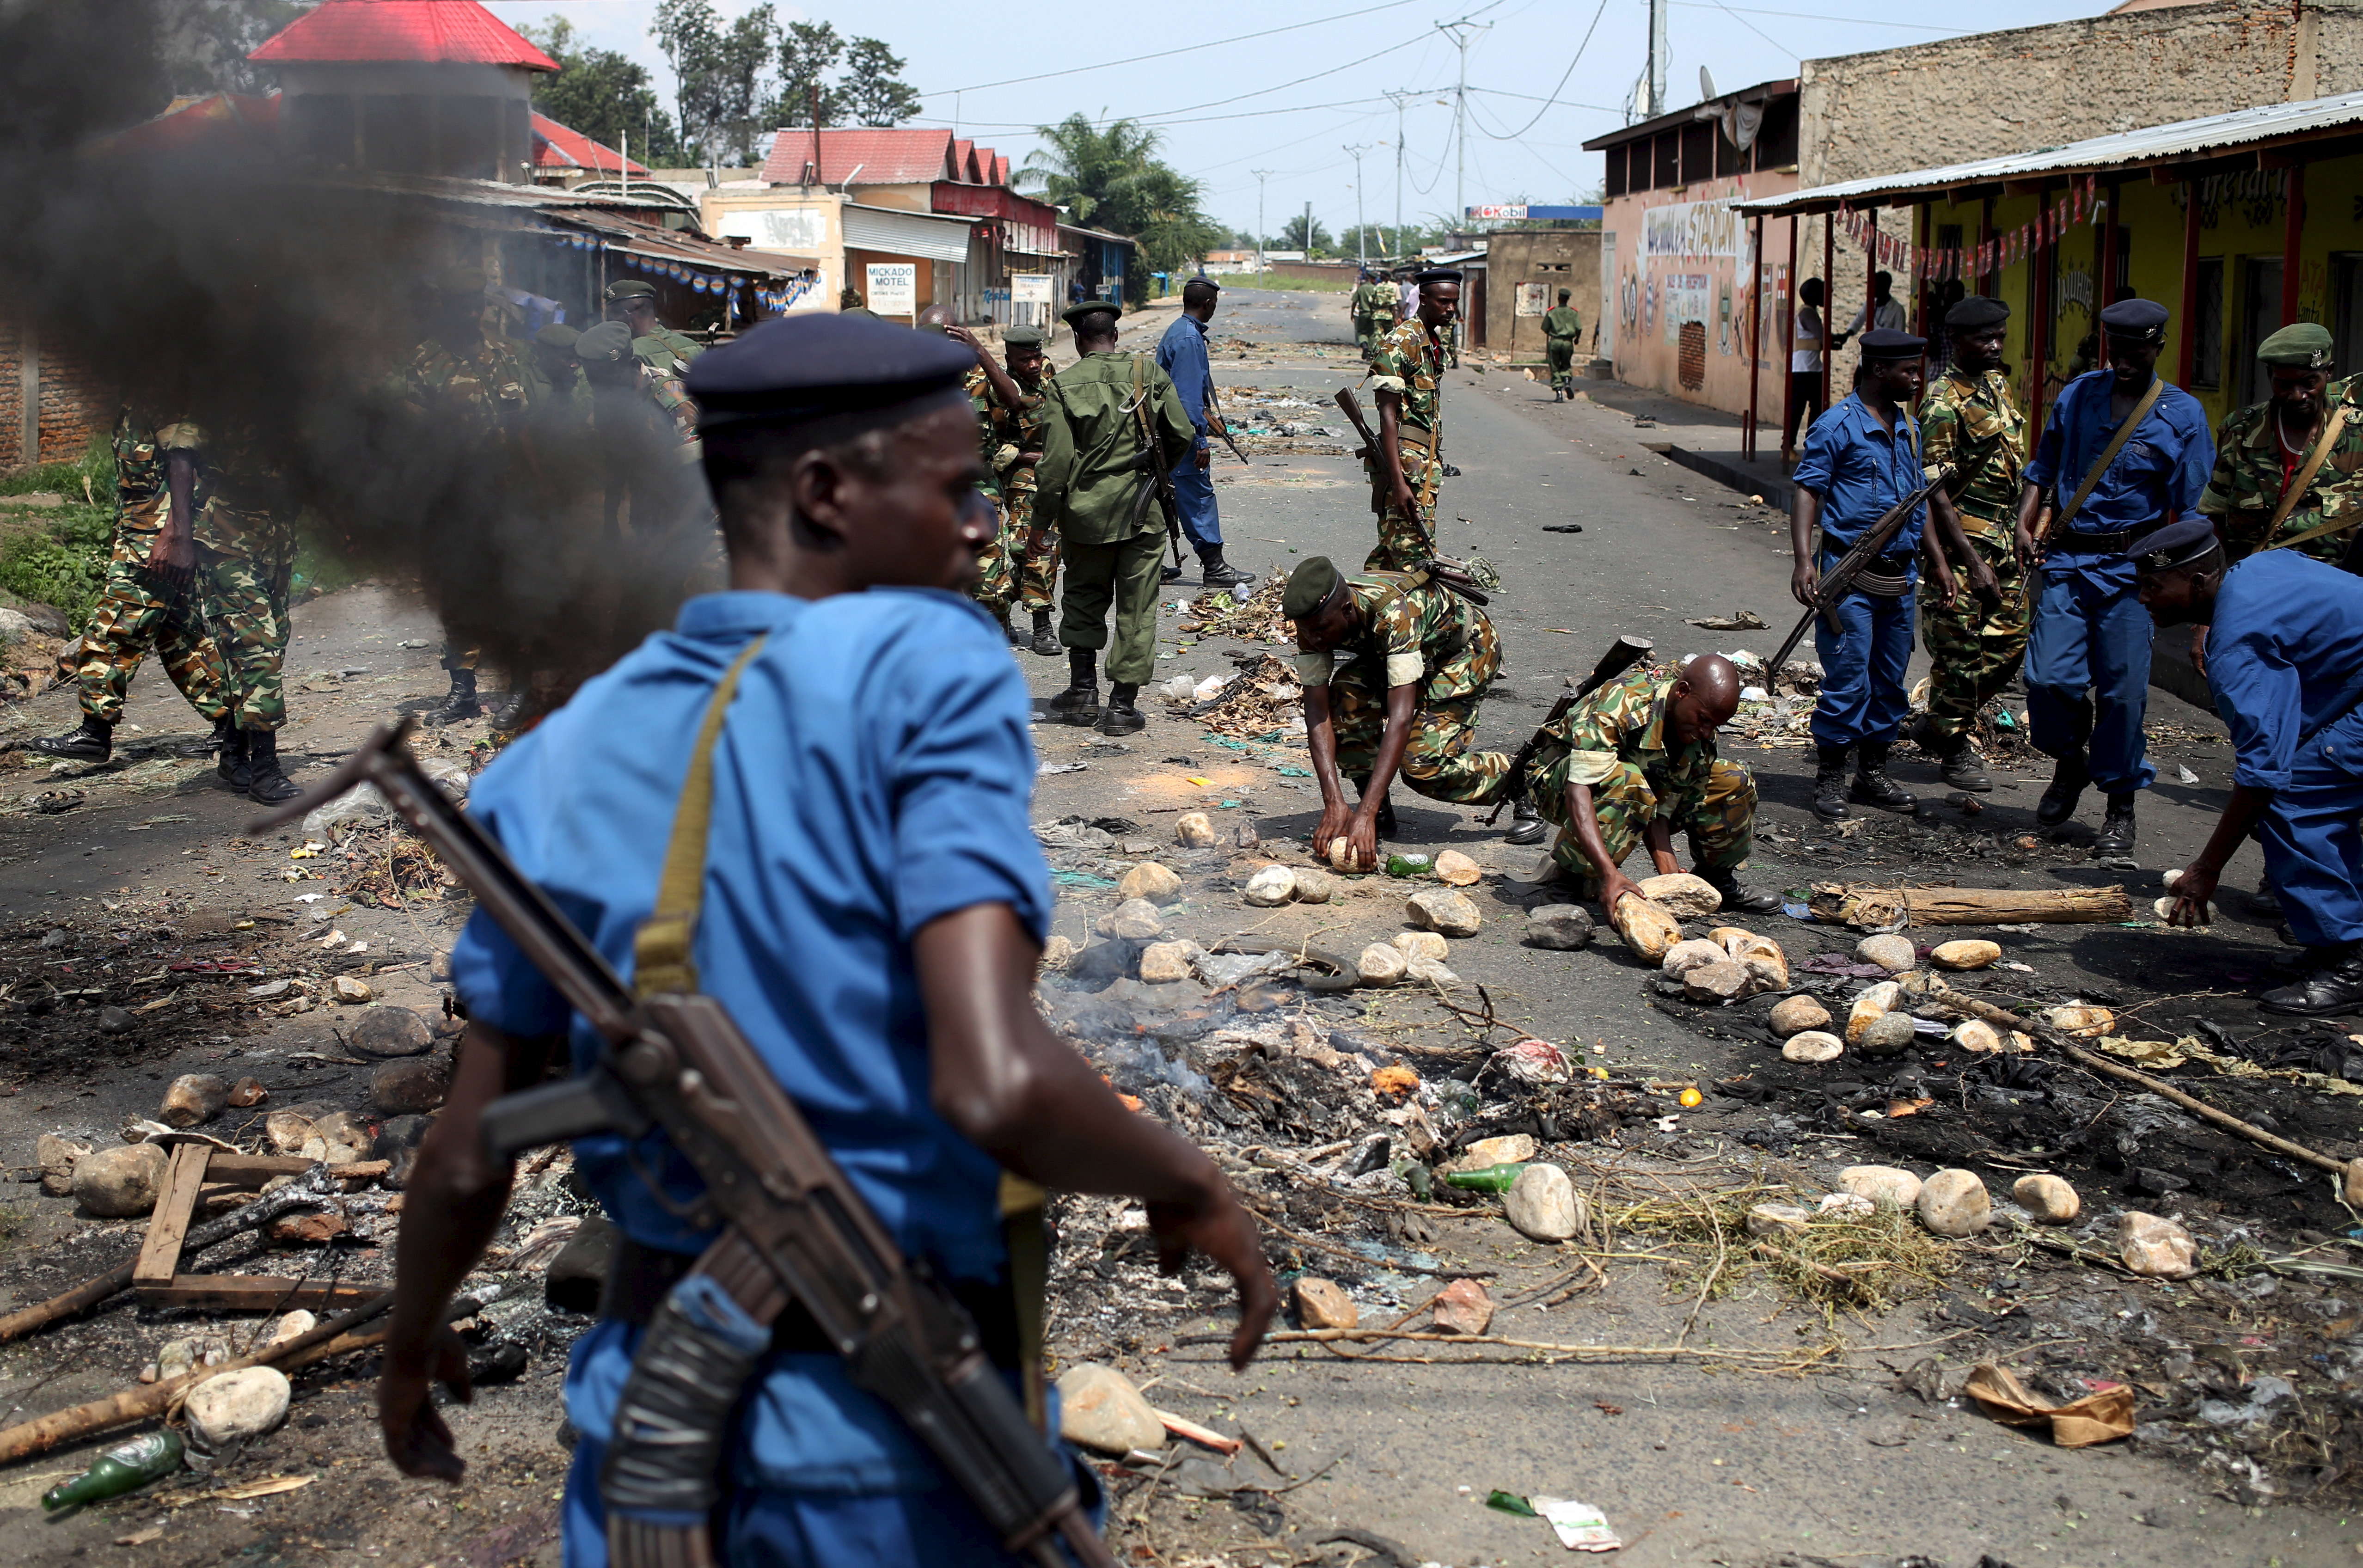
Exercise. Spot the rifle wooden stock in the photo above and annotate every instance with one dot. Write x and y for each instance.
(1834, 587)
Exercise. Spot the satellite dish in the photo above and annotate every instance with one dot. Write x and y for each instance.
(1706, 86)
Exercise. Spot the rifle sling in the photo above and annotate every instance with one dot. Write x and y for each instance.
(2109, 455)
(2304, 477)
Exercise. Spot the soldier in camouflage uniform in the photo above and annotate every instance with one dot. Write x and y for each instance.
(1363, 306)
(1385, 307)
(2260, 450)
(633, 302)
(149, 600)
(1407, 376)
(1976, 633)
(1635, 760)
(648, 433)
(1021, 430)
(244, 537)
(997, 399)
(1562, 330)
(1393, 668)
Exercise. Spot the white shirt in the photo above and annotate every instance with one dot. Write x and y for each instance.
(1809, 331)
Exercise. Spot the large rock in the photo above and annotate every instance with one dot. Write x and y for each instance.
(1193, 830)
(2050, 1199)
(418, 1084)
(1762, 955)
(1891, 953)
(115, 1183)
(1163, 963)
(1722, 981)
(1456, 869)
(351, 991)
(1504, 1149)
(1955, 1203)
(1099, 1408)
(1315, 885)
(1428, 971)
(340, 1136)
(1881, 1184)
(1968, 953)
(1869, 1007)
(1780, 1221)
(1812, 1045)
(1794, 1014)
(1544, 1205)
(1463, 1307)
(237, 1405)
(288, 1130)
(1382, 963)
(1890, 1034)
(193, 1099)
(2155, 1247)
(1272, 887)
(57, 1157)
(392, 1032)
(1443, 910)
(1681, 895)
(1649, 930)
(1323, 1304)
(1135, 919)
(1694, 952)
(1421, 945)
(1158, 884)
(1558, 927)
(1977, 1037)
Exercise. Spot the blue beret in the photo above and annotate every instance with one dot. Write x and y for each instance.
(797, 368)
(2136, 318)
(1887, 343)
(2177, 544)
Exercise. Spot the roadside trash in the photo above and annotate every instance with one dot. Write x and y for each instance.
(2101, 1417)
(124, 1468)
(1409, 865)
(1738, 620)
(1511, 1503)
(1580, 1527)
(1486, 1178)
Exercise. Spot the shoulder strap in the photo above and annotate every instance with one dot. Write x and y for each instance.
(2312, 466)
(2116, 444)
(662, 959)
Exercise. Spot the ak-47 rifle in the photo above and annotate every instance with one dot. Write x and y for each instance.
(1834, 585)
(796, 1231)
(1222, 427)
(1155, 484)
(1622, 655)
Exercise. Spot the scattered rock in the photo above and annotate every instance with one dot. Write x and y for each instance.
(293, 1325)
(418, 1084)
(1761, 955)
(113, 1020)
(1099, 1408)
(1881, 1184)
(1428, 971)
(1443, 910)
(1647, 929)
(1955, 1203)
(1421, 944)
(1057, 953)
(2081, 1019)
(288, 1130)
(2155, 1247)
(117, 1183)
(1681, 895)
(193, 1098)
(344, 1135)
(248, 1092)
(1977, 1036)
(1315, 885)
(1968, 953)
(1544, 1205)
(1890, 1034)
(2049, 1198)
(1192, 830)
(1135, 920)
(1846, 1205)
(1382, 963)
(1158, 883)
(57, 1156)
(237, 1405)
(1463, 1307)
(1779, 1219)
(353, 992)
(1163, 963)
(1812, 1045)
(1694, 952)
(1456, 869)
(1322, 1304)
(1342, 858)
(1794, 1014)
(1508, 1149)
(1722, 981)
(1869, 1007)
(1891, 953)
(1272, 887)
(1558, 927)
(308, 1229)
(391, 1031)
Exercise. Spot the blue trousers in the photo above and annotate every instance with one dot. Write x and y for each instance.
(2091, 635)
(1193, 490)
(1863, 694)
(2312, 838)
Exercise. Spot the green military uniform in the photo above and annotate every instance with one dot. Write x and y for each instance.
(136, 609)
(1385, 308)
(1972, 423)
(1562, 330)
(246, 557)
(1406, 362)
(1036, 541)
(638, 412)
(2254, 467)
(996, 587)
(560, 398)
(666, 351)
(1090, 473)
(1425, 636)
(1616, 741)
(1373, 306)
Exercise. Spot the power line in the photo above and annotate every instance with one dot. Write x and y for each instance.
(1169, 54)
(1759, 32)
(1818, 17)
(1564, 77)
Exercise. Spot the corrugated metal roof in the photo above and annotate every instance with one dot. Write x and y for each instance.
(2132, 149)
(898, 155)
(439, 32)
(562, 147)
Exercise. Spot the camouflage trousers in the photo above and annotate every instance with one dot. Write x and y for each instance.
(1721, 826)
(245, 606)
(1037, 572)
(1973, 651)
(1559, 354)
(132, 616)
(1439, 763)
(1405, 542)
(996, 583)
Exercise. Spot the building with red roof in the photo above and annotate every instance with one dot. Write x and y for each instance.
(561, 155)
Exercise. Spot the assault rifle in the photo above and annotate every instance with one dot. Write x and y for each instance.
(1155, 484)
(1221, 426)
(1836, 584)
(795, 1230)
(1622, 655)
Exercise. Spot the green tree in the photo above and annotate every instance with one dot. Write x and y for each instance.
(1293, 236)
(874, 92)
(203, 43)
(1110, 177)
(859, 79)
(720, 72)
(809, 52)
(604, 95)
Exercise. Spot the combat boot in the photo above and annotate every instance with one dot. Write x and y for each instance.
(93, 741)
(1122, 715)
(1217, 572)
(265, 783)
(2118, 827)
(1170, 573)
(1080, 703)
(1045, 641)
(459, 703)
(2068, 777)
(1830, 783)
(230, 761)
(1735, 897)
(1873, 787)
(1961, 766)
(1527, 825)
(2334, 985)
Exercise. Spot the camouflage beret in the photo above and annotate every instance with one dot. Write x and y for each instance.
(1309, 587)
(2300, 345)
(606, 343)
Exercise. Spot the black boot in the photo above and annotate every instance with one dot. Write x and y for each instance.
(1122, 715)
(1045, 641)
(1738, 900)
(1080, 703)
(1217, 572)
(2334, 986)
(1962, 767)
(265, 783)
(2117, 829)
(459, 703)
(93, 741)
(230, 763)
(2068, 777)
(1526, 823)
(1170, 573)
(1873, 787)
(1830, 783)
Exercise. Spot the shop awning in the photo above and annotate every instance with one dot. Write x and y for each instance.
(899, 233)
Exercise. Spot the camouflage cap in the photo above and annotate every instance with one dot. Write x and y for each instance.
(629, 288)
(2300, 345)
(607, 343)
(1309, 587)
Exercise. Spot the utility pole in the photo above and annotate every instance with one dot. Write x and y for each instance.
(1261, 176)
(1461, 33)
(1657, 104)
(1401, 97)
(1308, 231)
(1361, 230)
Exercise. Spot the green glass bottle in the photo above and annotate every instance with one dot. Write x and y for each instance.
(1410, 865)
(1486, 1178)
(125, 1468)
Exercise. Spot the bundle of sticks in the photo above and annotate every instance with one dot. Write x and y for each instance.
(1871, 908)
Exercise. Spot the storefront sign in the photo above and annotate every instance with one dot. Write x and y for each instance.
(894, 288)
(1031, 288)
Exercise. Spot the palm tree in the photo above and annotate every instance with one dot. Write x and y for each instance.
(1110, 177)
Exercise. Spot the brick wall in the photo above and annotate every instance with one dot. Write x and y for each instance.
(73, 406)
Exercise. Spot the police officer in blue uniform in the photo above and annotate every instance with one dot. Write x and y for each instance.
(873, 910)
(1860, 459)
(2088, 649)
(2285, 665)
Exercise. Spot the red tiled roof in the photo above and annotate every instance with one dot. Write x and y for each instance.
(441, 32)
(218, 118)
(901, 155)
(561, 147)
(1000, 176)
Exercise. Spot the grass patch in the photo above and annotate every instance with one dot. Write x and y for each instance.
(58, 555)
(1274, 281)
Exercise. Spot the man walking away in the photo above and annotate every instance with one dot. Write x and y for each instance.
(1562, 329)
(1181, 354)
(1407, 382)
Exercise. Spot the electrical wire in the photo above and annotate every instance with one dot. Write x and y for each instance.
(1759, 32)
(1564, 77)
(1169, 54)
(1816, 16)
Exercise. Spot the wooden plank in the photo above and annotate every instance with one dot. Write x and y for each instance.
(255, 1293)
(253, 1169)
(160, 1254)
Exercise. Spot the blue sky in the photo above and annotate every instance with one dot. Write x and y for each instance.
(1313, 82)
